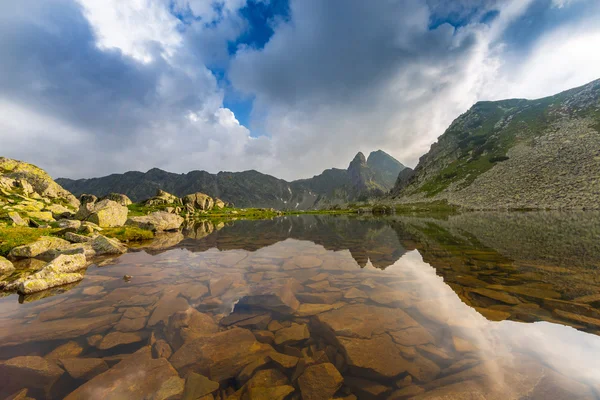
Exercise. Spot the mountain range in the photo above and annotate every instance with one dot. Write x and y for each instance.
(364, 178)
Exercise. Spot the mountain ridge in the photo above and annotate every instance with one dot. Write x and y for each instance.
(251, 187)
(515, 154)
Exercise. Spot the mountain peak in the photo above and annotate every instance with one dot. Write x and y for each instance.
(381, 158)
(359, 159)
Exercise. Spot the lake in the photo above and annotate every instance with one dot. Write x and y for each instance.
(470, 306)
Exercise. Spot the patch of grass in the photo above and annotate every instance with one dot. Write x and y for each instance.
(139, 209)
(128, 233)
(429, 208)
(14, 236)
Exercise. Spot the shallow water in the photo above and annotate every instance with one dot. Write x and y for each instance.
(486, 305)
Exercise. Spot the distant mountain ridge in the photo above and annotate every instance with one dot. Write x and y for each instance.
(515, 154)
(365, 177)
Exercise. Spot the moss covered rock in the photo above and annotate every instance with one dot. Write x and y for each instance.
(157, 221)
(38, 247)
(6, 267)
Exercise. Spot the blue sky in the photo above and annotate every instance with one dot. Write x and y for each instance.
(286, 87)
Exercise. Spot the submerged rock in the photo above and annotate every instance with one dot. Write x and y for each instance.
(320, 382)
(157, 221)
(28, 371)
(83, 368)
(197, 386)
(277, 295)
(221, 356)
(138, 376)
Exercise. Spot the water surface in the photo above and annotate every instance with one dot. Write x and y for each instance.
(479, 305)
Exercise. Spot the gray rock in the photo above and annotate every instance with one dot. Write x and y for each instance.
(6, 267)
(38, 247)
(157, 221)
(103, 245)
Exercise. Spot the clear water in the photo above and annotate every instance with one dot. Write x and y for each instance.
(481, 305)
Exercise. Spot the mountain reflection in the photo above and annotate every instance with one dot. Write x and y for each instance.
(520, 266)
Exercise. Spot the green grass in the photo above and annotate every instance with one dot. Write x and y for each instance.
(429, 208)
(14, 236)
(128, 233)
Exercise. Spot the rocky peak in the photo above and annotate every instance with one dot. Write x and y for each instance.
(359, 160)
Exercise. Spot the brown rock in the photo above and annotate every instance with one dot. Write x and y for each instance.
(412, 336)
(366, 389)
(354, 293)
(294, 334)
(377, 357)
(423, 369)
(406, 393)
(320, 382)
(264, 336)
(187, 325)
(197, 386)
(67, 350)
(134, 312)
(159, 380)
(502, 297)
(114, 339)
(53, 330)
(28, 371)
(283, 360)
(130, 324)
(161, 348)
(84, 368)
(274, 326)
(362, 321)
(222, 355)
(320, 298)
(267, 378)
(270, 393)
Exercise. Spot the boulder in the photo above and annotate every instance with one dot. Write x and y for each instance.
(59, 211)
(161, 198)
(69, 224)
(34, 180)
(71, 349)
(28, 371)
(6, 267)
(116, 338)
(199, 201)
(188, 325)
(105, 213)
(75, 238)
(118, 198)
(103, 245)
(45, 216)
(138, 376)
(219, 203)
(17, 219)
(43, 244)
(320, 382)
(157, 221)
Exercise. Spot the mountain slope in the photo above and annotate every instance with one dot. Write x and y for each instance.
(517, 153)
(252, 188)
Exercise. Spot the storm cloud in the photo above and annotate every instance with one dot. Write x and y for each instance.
(90, 88)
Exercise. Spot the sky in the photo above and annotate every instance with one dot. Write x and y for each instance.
(286, 87)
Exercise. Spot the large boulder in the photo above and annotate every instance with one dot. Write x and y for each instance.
(105, 213)
(118, 198)
(157, 221)
(219, 203)
(31, 179)
(103, 245)
(40, 246)
(161, 198)
(58, 272)
(199, 201)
